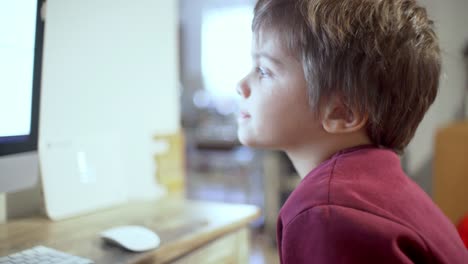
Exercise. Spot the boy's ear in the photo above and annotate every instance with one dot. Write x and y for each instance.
(338, 118)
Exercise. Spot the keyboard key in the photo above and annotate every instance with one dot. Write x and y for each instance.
(43, 255)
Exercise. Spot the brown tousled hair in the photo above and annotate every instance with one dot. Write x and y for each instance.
(381, 57)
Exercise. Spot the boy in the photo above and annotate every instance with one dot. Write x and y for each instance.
(341, 86)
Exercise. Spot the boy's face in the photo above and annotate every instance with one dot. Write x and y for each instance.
(274, 109)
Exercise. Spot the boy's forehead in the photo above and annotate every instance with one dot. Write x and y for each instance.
(268, 42)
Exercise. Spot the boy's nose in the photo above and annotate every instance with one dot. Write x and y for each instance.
(242, 88)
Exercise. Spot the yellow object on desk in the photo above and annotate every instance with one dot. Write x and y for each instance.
(171, 163)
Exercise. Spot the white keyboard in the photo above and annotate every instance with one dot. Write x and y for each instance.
(41, 254)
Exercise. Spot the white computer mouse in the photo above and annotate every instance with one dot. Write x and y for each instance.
(133, 238)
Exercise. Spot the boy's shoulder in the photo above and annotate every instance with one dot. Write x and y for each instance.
(348, 176)
(366, 192)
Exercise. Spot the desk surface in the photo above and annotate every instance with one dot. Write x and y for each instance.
(182, 225)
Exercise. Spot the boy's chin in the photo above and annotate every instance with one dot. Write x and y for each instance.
(249, 141)
(246, 139)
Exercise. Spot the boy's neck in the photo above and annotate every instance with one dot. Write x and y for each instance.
(308, 156)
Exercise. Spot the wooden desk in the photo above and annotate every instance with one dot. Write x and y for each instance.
(190, 232)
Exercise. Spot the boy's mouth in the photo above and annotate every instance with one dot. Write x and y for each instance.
(244, 114)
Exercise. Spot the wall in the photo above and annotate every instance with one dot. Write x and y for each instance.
(450, 21)
(110, 66)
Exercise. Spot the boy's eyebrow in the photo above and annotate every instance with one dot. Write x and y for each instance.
(268, 56)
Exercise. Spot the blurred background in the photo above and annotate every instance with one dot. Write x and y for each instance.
(214, 55)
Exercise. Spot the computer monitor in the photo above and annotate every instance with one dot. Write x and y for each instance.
(21, 41)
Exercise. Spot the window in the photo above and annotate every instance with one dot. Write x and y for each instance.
(226, 43)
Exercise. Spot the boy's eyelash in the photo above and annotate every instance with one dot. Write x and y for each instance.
(262, 72)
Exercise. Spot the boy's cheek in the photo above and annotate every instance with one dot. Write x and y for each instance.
(251, 133)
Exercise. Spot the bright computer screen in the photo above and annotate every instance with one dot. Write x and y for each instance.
(20, 60)
(17, 41)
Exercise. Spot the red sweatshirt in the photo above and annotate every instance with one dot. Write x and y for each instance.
(360, 207)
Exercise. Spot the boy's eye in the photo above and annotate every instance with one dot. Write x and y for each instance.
(262, 72)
